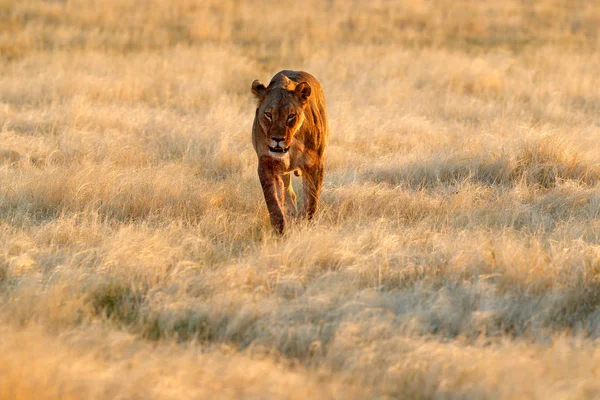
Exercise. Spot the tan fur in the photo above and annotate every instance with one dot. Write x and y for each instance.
(291, 109)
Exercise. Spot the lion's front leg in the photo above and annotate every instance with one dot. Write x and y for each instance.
(312, 183)
(290, 196)
(273, 190)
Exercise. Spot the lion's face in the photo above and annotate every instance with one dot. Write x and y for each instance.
(280, 113)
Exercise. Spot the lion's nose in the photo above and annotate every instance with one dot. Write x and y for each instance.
(277, 140)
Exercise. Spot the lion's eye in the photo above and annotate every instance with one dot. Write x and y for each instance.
(291, 117)
(268, 115)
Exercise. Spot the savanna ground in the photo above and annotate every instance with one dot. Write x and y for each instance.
(456, 254)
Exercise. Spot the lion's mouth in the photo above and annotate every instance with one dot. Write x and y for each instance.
(281, 150)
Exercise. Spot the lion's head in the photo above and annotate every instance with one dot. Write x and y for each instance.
(280, 112)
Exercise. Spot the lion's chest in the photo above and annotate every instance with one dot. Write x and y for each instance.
(297, 158)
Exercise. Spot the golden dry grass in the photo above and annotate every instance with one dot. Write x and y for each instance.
(456, 253)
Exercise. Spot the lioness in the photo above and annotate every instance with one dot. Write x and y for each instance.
(290, 134)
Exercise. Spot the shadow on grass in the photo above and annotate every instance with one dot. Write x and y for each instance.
(540, 163)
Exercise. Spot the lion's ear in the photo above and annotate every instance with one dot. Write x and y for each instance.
(259, 89)
(303, 91)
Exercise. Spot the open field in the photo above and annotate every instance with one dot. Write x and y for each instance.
(456, 254)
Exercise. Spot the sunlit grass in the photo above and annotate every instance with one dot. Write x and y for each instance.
(455, 253)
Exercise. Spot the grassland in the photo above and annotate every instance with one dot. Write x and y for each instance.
(456, 254)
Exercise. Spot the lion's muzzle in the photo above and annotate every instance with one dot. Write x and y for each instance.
(278, 149)
(278, 146)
